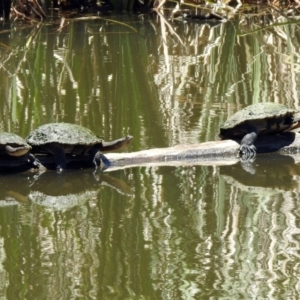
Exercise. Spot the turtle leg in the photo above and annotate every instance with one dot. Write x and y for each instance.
(98, 159)
(60, 158)
(101, 161)
(36, 163)
(247, 148)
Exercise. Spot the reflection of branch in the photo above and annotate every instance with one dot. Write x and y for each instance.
(100, 18)
(272, 7)
(268, 26)
(68, 70)
(62, 24)
(212, 10)
(30, 8)
(27, 48)
(163, 19)
(24, 26)
(2, 63)
(160, 4)
(39, 11)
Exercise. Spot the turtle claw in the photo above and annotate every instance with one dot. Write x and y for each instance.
(247, 152)
(59, 169)
(36, 163)
(101, 161)
(248, 155)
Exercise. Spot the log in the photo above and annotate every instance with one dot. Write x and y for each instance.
(219, 152)
(209, 153)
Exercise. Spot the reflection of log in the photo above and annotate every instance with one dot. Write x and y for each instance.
(209, 153)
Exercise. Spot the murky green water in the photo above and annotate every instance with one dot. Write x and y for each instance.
(172, 232)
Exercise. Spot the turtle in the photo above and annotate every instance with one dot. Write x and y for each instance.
(61, 139)
(258, 119)
(13, 145)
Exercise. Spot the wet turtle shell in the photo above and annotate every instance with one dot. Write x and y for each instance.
(12, 144)
(60, 139)
(258, 119)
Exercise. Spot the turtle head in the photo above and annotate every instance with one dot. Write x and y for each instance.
(296, 116)
(17, 151)
(116, 144)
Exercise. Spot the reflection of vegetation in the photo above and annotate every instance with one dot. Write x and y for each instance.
(95, 80)
(100, 74)
(217, 63)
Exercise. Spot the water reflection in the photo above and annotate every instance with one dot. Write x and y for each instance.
(260, 235)
(59, 191)
(49, 218)
(269, 172)
(214, 227)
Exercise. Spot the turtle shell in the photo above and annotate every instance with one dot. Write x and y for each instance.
(69, 136)
(62, 133)
(13, 140)
(266, 117)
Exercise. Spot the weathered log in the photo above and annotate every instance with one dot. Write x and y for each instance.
(204, 153)
(208, 153)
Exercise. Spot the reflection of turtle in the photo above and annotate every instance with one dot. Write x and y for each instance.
(13, 145)
(59, 191)
(257, 119)
(283, 174)
(72, 188)
(60, 139)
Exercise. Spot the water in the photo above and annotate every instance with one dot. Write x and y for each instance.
(186, 231)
